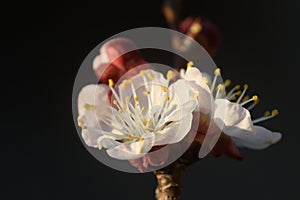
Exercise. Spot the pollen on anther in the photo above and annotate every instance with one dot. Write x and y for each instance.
(267, 113)
(89, 107)
(141, 139)
(246, 86)
(190, 64)
(164, 88)
(110, 82)
(237, 87)
(100, 146)
(115, 102)
(238, 93)
(136, 99)
(150, 76)
(218, 72)
(147, 92)
(275, 112)
(124, 107)
(205, 79)
(131, 81)
(125, 84)
(255, 98)
(170, 74)
(227, 82)
(167, 98)
(143, 108)
(129, 136)
(142, 73)
(220, 86)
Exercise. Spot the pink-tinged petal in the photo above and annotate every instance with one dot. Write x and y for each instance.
(203, 31)
(156, 157)
(116, 57)
(225, 145)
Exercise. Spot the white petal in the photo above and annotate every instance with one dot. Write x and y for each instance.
(180, 92)
(108, 143)
(134, 150)
(175, 132)
(260, 139)
(233, 116)
(205, 99)
(94, 95)
(193, 74)
(180, 111)
(90, 137)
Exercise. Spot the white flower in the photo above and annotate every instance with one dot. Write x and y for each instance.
(146, 111)
(232, 117)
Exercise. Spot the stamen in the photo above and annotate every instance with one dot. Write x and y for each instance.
(254, 98)
(227, 82)
(150, 76)
(143, 108)
(266, 116)
(81, 124)
(89, 107)
(142, 73)
(125, 84)
(127, 99)
(232, 91)
(100, 146)
(205, 79)
(136, 99)
(170, 74)
(220, 88)
(245, 98)
(217, 73)
(190, 64)
(147, 92)
(195, 28)
(234, 95)
(110, 82)
(167, 98)
(115, 102)
(141, 139)
(243, 93)
(124, 107)
(164, 88)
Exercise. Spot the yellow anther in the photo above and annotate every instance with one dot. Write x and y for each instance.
(136, 99)
(143, 108)
(124, 107)
(195, 28)
(125, 84)
(220, 87)
(89, 107)
(205, 79)
(131, 81)
(142, 73)
(194, 95)
(246, 98)
(147, 92)
(267, 113)
(237, 87)
(227, 82)
(130, 136)
(233, 98)
(164, 88)
(120, 112)
(127, 98)
(146, 123)
(238, 93)
(255, 98)
(275, 112)
(110, 82)
(218, 72)
(141, 139)
(167, 98)
(100, 146)
(150, 76)
(80, 122)
(190, 64)
(170, 74)
(115, 102)
(246, 86)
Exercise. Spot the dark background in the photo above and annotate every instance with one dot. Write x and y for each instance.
(42, 47)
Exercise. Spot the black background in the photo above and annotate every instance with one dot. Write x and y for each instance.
(42, 47)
